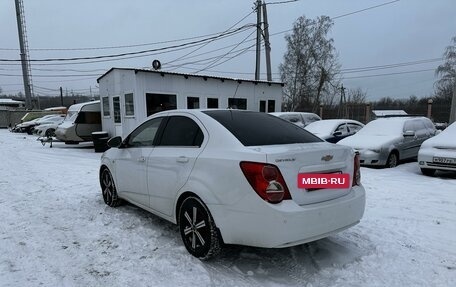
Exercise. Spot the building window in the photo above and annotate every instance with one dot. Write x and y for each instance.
(159, 102)
(237, 103)
(116, 106)
(212, 103)
(193, 103)
(263, 106)
(271, 106)
(106, 110)
(129, 106)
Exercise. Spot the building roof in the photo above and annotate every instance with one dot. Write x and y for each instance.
(10, 101)
(188, 76)
(383, 113)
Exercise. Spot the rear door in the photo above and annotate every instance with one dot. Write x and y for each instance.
(170, 163)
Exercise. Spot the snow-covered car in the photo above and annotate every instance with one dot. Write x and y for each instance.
(301, 119)
(28, 126)
(386, 141)
(231, 176)
(439, 152)
(334, 130)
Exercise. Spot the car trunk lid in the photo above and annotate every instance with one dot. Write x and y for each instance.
(311, 158)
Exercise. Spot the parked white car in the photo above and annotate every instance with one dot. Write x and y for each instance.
(334, 130)
(231, 176)
(386, 141)
(301, 119)
(46, 127)
(439, 152)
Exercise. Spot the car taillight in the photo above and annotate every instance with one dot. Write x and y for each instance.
(356, 171)
(266, 180)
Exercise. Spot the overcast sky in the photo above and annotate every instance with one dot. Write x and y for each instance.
(401, 32)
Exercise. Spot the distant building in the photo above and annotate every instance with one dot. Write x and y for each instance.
(10, 104)
(129, 96)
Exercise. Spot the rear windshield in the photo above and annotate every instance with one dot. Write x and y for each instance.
(256, 129)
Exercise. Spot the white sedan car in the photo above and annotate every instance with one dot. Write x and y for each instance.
(231, 176)
(439, 152)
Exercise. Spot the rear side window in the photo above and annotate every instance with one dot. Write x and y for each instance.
(256, 129)
(181, 131)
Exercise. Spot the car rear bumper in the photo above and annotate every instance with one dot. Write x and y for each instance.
(287, 224)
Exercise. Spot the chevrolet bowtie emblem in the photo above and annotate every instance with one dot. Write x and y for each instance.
(327, 157)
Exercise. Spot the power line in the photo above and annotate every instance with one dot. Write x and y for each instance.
(389, 74)
(116, 47)
(389, 66)
(343, 15)
(365, 9)
(281, 2)
(235, 31)
(202, 46)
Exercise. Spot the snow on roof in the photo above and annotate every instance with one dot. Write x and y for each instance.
(10, 101)
(382, 113)
(189, 75)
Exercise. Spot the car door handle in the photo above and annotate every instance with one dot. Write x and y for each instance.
(141, 159)
(182, 159)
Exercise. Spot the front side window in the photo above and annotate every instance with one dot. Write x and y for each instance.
(181, 131)
(342, 128)
(106, 109)
(129, 105)
(354, 127)
(144, 135)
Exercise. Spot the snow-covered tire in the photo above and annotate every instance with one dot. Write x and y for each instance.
(108, 189)
(198, 230)
(428, 171)
(392, 160)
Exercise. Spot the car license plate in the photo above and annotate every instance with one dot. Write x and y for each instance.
(439, 159)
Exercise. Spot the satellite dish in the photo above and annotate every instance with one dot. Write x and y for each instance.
(156, 65)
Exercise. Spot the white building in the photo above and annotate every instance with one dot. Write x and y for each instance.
(10, 104)
(129, 96)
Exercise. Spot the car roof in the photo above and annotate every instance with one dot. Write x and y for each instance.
(291, 113)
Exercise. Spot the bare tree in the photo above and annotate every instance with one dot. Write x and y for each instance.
(356, 96)
(447, 70)
(310, 64)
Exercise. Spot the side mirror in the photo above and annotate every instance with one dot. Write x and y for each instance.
(115, 141)
(409, 134)
(338, 133)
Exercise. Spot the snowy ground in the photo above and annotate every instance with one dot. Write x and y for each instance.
(56, 231)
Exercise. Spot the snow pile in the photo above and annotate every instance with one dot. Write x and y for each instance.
(56, 231)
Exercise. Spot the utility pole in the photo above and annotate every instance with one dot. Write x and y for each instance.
(267, 44)
(26, 72)
(61, 96)
(341, 111)
(453, 106)
(258, 41)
